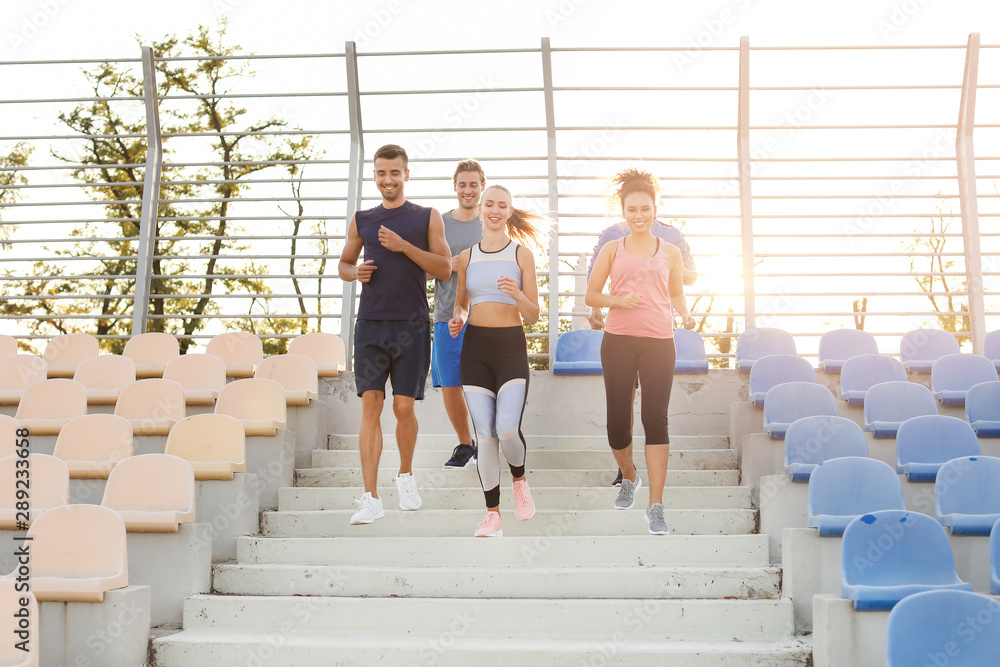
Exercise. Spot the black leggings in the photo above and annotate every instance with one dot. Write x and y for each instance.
(624, 358)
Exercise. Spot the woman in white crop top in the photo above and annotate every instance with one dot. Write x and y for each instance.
(497, 293)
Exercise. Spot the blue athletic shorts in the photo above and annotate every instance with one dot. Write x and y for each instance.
(446, 356)
(399, 350)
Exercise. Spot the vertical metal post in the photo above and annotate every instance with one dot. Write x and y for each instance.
(967, 195)
(354, 182)
(744, 166)
(150, 195)
(550, 133)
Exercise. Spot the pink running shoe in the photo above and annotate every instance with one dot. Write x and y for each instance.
(524, 506)
(490, 527)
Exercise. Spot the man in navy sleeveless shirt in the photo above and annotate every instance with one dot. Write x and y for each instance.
(402, 242)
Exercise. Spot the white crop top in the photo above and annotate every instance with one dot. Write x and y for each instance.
(486, 268)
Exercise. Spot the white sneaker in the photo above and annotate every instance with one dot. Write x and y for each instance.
(409, 497)
(369, 510)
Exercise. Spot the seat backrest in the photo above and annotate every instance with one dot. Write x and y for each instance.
(911, 547)
(78, 541)
(199, 372)
(71, 349)
(983, 402)
(18, 371)
(927, 345)
(48, 479)
(253, 398)
(854, 485)
(150, 483)
(323, 348)
(995, 559)
(862, 372)
(789, 401)
(579, 345)
(154, 398)
(842, 344)
(57, 398)
(18, 619)
(151, 348)
(208, 437)
(958, 372)
(898, 401)
(753, 344)
(106, 371)
(8, 429)
(991, 346)
(822, 437)
(690, 345)
(947, 627)
(968, 485)
(96, 437)
(776, 369)
(292, 371)
(8, 345)
(237, 348)
(934, 439)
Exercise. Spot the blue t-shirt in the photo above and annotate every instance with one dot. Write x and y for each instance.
(398, 287)
(668, 233)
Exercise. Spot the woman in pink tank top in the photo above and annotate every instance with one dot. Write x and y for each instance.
(646, 289)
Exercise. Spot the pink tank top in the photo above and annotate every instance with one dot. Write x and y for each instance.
(652, 317)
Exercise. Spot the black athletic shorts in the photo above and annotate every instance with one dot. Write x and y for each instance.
(399, 350)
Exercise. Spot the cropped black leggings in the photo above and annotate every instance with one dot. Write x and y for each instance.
(651, 360)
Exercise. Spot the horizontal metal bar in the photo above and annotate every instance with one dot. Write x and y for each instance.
(457, 52)
(249, 56)
(235, 96)
(228, 200)
(65, 221)
(245, 316)
(83, 202)
(89, 61)
(245, 257)
(446, 91)
(72, 100)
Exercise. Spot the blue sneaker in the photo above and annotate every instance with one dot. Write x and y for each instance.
(462, 456)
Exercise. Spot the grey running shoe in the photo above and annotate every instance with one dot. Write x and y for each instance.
(626, 494)
(654, 515)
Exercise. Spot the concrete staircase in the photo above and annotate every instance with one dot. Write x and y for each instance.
(578, 584)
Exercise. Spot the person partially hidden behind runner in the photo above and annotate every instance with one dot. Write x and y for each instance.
(498, 293)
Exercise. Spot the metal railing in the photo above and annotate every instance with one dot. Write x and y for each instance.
(810, 201)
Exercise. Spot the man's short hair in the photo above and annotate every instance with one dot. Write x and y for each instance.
(469, 165)
(391, 152)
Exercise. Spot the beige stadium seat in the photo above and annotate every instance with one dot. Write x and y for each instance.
(92, 445)
(77, 553)
(8, 346)
(49, 487)
(17, 373)
(152, 493)
(201, 375)
(11, 612)
(258, 404)
(64, 353)
(242, 352)
(104, 377)
(152, 406)
(326, 349)
(8, 429)
(214, 445)
(47, 405)
(295, 373)
(151, 353)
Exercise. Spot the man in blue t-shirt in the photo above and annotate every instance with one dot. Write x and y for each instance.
(402, 242)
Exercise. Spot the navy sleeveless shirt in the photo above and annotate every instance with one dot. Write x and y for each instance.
(398, 288)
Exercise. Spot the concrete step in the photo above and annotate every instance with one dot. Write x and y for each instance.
(448, 441)
(552, 497)
(462, 523)
(291, 648)
(500, 581)
(578, 459)
(442, 478)
(707, 550)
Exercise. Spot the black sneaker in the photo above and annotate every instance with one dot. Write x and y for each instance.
(462, 457)
(618, 479)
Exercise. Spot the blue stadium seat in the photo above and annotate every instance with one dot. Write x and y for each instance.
(789, 401)
(995, 559)
(578, 352)
(967, 495)
(774, 369)
(753, 344)
(889, 404)
(691, 357)
(991, 348)
(924, 444)
(953, 628)
(861, 373)
(953, 374)
(982, 409)
(812, 440)
(890, 554)
(839, 345)
(920, 348)
(840, 490)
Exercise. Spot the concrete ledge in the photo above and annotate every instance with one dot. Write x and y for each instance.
(309, 423)
(230, 509)
(272, 460)
(87, 491)
(173, 566)
(113, 633)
